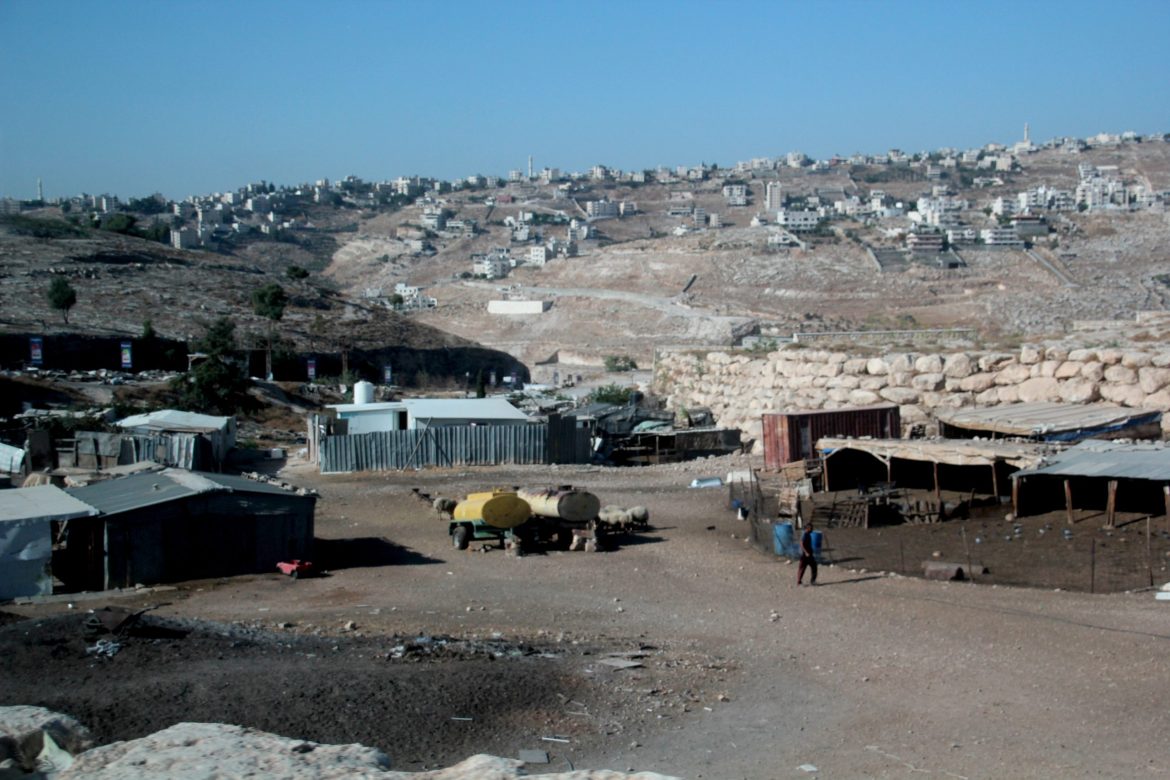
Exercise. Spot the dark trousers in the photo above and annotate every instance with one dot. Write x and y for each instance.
(811, 563)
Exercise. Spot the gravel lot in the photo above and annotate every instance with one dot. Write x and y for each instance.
(743, 674)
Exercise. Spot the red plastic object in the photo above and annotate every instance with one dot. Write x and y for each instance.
(295, 567)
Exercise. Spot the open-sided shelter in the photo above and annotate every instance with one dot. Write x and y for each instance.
(1044, 421)
(174, 525)
(1099, 475)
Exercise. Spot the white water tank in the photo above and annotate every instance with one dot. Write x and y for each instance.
(363, 392)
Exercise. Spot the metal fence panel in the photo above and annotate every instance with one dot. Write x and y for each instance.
(462, 445)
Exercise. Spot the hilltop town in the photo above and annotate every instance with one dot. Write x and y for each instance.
(550, 266)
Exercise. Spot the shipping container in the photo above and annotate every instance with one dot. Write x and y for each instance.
(792, 436)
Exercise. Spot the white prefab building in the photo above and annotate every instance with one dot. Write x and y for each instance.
(798, 221)
(517, 307)
(420, 413)
(26, 537)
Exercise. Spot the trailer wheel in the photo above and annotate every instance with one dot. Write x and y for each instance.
(460, 537)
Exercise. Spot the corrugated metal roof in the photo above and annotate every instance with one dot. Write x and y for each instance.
(44, 502)
(175, 420)
(1034, 419)
(462, 409)
(381, 406)
(1112, 460)
(955, 452)
(842, 410)
(142, 490)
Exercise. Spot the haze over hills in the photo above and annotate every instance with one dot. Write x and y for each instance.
(622, 262)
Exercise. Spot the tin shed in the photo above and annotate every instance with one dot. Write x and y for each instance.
(792, 436)
(175, 525)
(26, 538)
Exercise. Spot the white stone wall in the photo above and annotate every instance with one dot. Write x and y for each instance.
(739, 387)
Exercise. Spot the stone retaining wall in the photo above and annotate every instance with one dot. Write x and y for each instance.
(740, 386)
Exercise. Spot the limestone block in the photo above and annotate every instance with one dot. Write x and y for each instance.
(1079, 390)
(820, 381)
(874, 382)
(863, 398)
(1045, 368)
(1083, 355)
(1030, 353)
(1160, 360)
(977, 383)
(1153, 379)
(837, 357)
(912, 414)
(800, 382)
(900, 361)
(1160, 401)
(955, 400)
(988, 397)
(1056, 353)
(1068, 369)
(1009, 394)
(877, 366)
(952, 384)
(900, 378)
(856, 366)
(928, 364)
(830, 369)
(1120, 375)
(839, 395)
(1041, 388)
(928, 382)
(1110, 357)
(900, 395)
(959, 365)
(1013, 374)
(718, 358)
(1093, 370)
(993, 361)
(1126, 395)
(1136, 359)
(813, 398)
(848, 381)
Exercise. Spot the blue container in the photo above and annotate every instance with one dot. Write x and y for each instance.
(784, 540)
(817, 540)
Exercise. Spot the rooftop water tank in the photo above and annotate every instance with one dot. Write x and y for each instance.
(363, 392)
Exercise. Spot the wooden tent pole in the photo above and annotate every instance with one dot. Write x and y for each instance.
(1111, 504)
(1068, 507)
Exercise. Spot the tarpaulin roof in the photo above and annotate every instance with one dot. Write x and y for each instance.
(175, 420)
(1111, 460)
(1043, 418)
(955, 452)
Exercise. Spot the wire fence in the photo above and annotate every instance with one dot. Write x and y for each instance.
(981, 543)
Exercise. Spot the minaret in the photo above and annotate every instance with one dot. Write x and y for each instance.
(40, 191)
(1026, 139)
(529, 166)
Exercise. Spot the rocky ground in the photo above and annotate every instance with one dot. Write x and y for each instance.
(735, 672)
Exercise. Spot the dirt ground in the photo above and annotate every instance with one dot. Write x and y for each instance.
(434, 654)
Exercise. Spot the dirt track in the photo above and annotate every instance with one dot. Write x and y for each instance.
(744, 674)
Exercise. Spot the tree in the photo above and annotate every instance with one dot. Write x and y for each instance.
(62, 296)
(147, 330)
(215, 384)
(269, 302)
(296, 272)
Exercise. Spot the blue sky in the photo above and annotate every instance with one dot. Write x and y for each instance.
(198, 96)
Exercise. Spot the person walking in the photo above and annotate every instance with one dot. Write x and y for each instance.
(807, 559)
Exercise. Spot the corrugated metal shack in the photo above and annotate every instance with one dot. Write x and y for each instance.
(1098, 475)
(1042, 421)
(185, 439)
(174, 525)
(451, 445)
(27, 516)
(792, 436)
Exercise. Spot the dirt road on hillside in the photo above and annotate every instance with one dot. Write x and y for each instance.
(741, 675)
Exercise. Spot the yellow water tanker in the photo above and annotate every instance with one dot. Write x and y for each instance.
(565, 503)
(497, 508)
